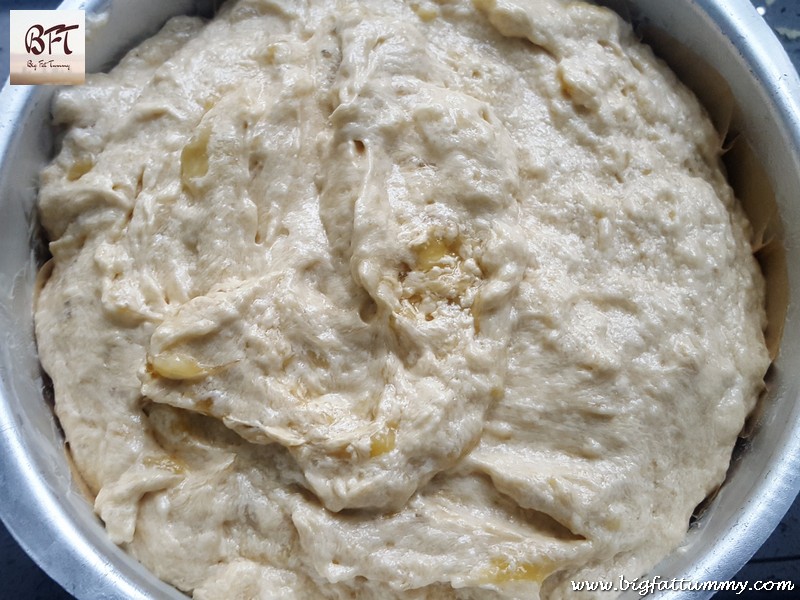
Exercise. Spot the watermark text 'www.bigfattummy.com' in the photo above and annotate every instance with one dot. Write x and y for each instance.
(644, 587)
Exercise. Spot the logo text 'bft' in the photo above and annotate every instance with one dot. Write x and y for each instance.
(34, 38)
(47, 47)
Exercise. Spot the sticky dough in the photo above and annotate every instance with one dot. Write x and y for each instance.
(396, 300)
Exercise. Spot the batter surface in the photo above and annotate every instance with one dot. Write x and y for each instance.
(396, 299)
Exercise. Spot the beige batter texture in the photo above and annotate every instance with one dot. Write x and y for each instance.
(396, 299)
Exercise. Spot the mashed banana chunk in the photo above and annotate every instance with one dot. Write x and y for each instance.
(396, 299)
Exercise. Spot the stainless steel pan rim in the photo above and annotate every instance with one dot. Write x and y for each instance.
(40, 504)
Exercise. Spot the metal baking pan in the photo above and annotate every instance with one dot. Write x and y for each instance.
(41, 502)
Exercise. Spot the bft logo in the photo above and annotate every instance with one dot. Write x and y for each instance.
(34, 38)
(47, 46)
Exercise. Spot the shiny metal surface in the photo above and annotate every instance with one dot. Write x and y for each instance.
(41, 504)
